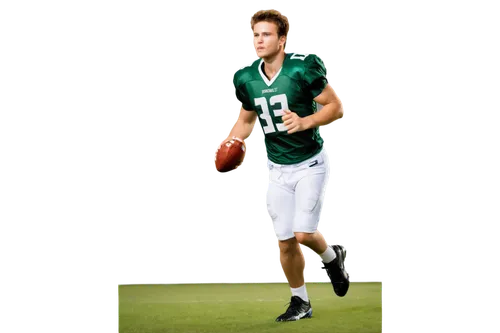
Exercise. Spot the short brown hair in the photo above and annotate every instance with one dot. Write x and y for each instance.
(273, 16)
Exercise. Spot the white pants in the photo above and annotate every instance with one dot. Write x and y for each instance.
(295, 195)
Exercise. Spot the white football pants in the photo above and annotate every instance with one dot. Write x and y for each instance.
(295, 195)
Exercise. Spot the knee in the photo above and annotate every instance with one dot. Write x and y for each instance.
(289, 246)
(303, 237)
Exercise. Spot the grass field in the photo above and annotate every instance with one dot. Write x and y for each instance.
(219, 308)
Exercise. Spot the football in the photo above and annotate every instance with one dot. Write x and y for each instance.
(230, 155)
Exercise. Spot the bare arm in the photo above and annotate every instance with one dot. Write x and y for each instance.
(331, 112)
(244, 125)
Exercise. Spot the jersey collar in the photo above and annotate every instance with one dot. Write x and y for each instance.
(264, 77)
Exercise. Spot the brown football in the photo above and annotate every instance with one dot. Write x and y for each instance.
(230, 155)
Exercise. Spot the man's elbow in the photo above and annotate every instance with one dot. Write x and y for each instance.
(339, 112)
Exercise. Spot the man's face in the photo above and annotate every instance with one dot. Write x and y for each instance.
(265, 39)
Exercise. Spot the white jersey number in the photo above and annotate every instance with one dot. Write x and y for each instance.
(270, 126)
(299, 56)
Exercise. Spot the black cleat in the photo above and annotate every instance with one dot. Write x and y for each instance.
(298, 309)
(336, 271)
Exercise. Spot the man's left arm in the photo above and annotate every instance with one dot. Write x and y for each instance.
(331, 112)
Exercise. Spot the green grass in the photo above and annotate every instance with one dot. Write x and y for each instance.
(219, 308)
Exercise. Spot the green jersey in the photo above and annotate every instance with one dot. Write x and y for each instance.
(301, 78)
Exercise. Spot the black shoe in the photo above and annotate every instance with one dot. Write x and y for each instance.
(298, 309)
(336, 271)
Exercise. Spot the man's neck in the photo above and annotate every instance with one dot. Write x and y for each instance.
(273, 64)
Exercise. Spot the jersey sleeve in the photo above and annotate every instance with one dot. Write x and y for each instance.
(315, 75)
(241, 93)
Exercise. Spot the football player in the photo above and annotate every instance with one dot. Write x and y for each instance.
(283, 90)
